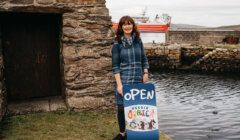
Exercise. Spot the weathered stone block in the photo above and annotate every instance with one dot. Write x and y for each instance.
(99, 10)
(21, 1)
(84, 2)
(68, 1)
(44, 1)
(30, 106)
(78, 33)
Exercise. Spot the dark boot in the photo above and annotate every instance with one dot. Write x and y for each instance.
(119, 137)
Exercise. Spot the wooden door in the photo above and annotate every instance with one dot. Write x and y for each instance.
(31, 54)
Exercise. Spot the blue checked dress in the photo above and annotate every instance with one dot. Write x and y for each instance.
(128, 59)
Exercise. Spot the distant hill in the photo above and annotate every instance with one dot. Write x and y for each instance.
(197, 27)
(231, 27)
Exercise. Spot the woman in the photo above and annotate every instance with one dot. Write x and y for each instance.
(129, 64)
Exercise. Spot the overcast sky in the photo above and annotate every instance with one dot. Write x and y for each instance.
(198, 12)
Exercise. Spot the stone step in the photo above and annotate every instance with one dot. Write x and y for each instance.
(36, 105)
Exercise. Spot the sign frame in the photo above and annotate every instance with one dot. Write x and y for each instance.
(140, 110)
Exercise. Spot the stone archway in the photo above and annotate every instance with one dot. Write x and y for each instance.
(85, 49)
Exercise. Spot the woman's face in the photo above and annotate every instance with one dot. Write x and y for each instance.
(127, 28)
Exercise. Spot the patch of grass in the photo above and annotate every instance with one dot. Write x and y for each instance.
(226, 46)
(62, 125)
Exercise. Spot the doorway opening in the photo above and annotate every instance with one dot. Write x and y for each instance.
(31, 49)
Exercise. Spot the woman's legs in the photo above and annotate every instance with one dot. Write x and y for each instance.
(121, 122)
(121, 118)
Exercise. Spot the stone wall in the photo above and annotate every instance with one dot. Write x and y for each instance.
(163, 56)
(222, 58)
(85, 48)
(87, 57)
(200, 36)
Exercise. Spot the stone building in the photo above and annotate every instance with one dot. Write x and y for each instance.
(56, 48)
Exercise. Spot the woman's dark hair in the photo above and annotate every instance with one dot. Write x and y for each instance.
(120, 33)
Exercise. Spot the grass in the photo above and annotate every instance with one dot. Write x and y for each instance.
(62, 125)
(226, 46)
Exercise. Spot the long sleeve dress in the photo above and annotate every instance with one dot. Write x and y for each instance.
(129, 60)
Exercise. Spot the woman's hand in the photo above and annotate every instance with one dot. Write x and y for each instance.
(119, 84)
(120, 89)
(145, 77)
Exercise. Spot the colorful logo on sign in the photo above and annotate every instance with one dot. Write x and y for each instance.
(141, 118)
